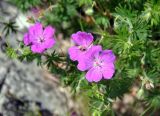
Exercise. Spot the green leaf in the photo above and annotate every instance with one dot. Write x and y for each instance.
(11, 52)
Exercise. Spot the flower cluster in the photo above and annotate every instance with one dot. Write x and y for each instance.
(99, 63)
(39, 39)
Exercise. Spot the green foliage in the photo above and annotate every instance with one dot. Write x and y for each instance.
(118, 87)
(152, 12)
(9, 27)
(26, 4)
(11, 52)
(83, 2)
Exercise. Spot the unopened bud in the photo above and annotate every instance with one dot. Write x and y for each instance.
(149, 86)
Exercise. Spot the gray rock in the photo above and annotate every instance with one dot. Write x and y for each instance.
(26, 82)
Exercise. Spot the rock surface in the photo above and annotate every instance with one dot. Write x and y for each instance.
(24, 89)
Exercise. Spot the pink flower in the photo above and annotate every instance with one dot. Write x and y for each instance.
(83, 43)
(100, 64)
(38, 38)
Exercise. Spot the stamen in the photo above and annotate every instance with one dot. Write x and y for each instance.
(97, 63)
(82, 48)
(41, 39)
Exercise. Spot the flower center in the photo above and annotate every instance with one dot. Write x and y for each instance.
(41, 39)
(82, 48)
(97, 63)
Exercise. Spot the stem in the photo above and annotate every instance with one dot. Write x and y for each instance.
(80, 23)
(145, 110)
(100, 40)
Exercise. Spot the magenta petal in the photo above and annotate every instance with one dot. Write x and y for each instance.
(49, 43)
(26, 39)
(73, 53)
(94, 50)
(37, 49)
(48, 32)
(82, 38)
(94, 75)
(84, 63)
(108, 71)
(85, 60)
(36, 30)
(108, 56)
